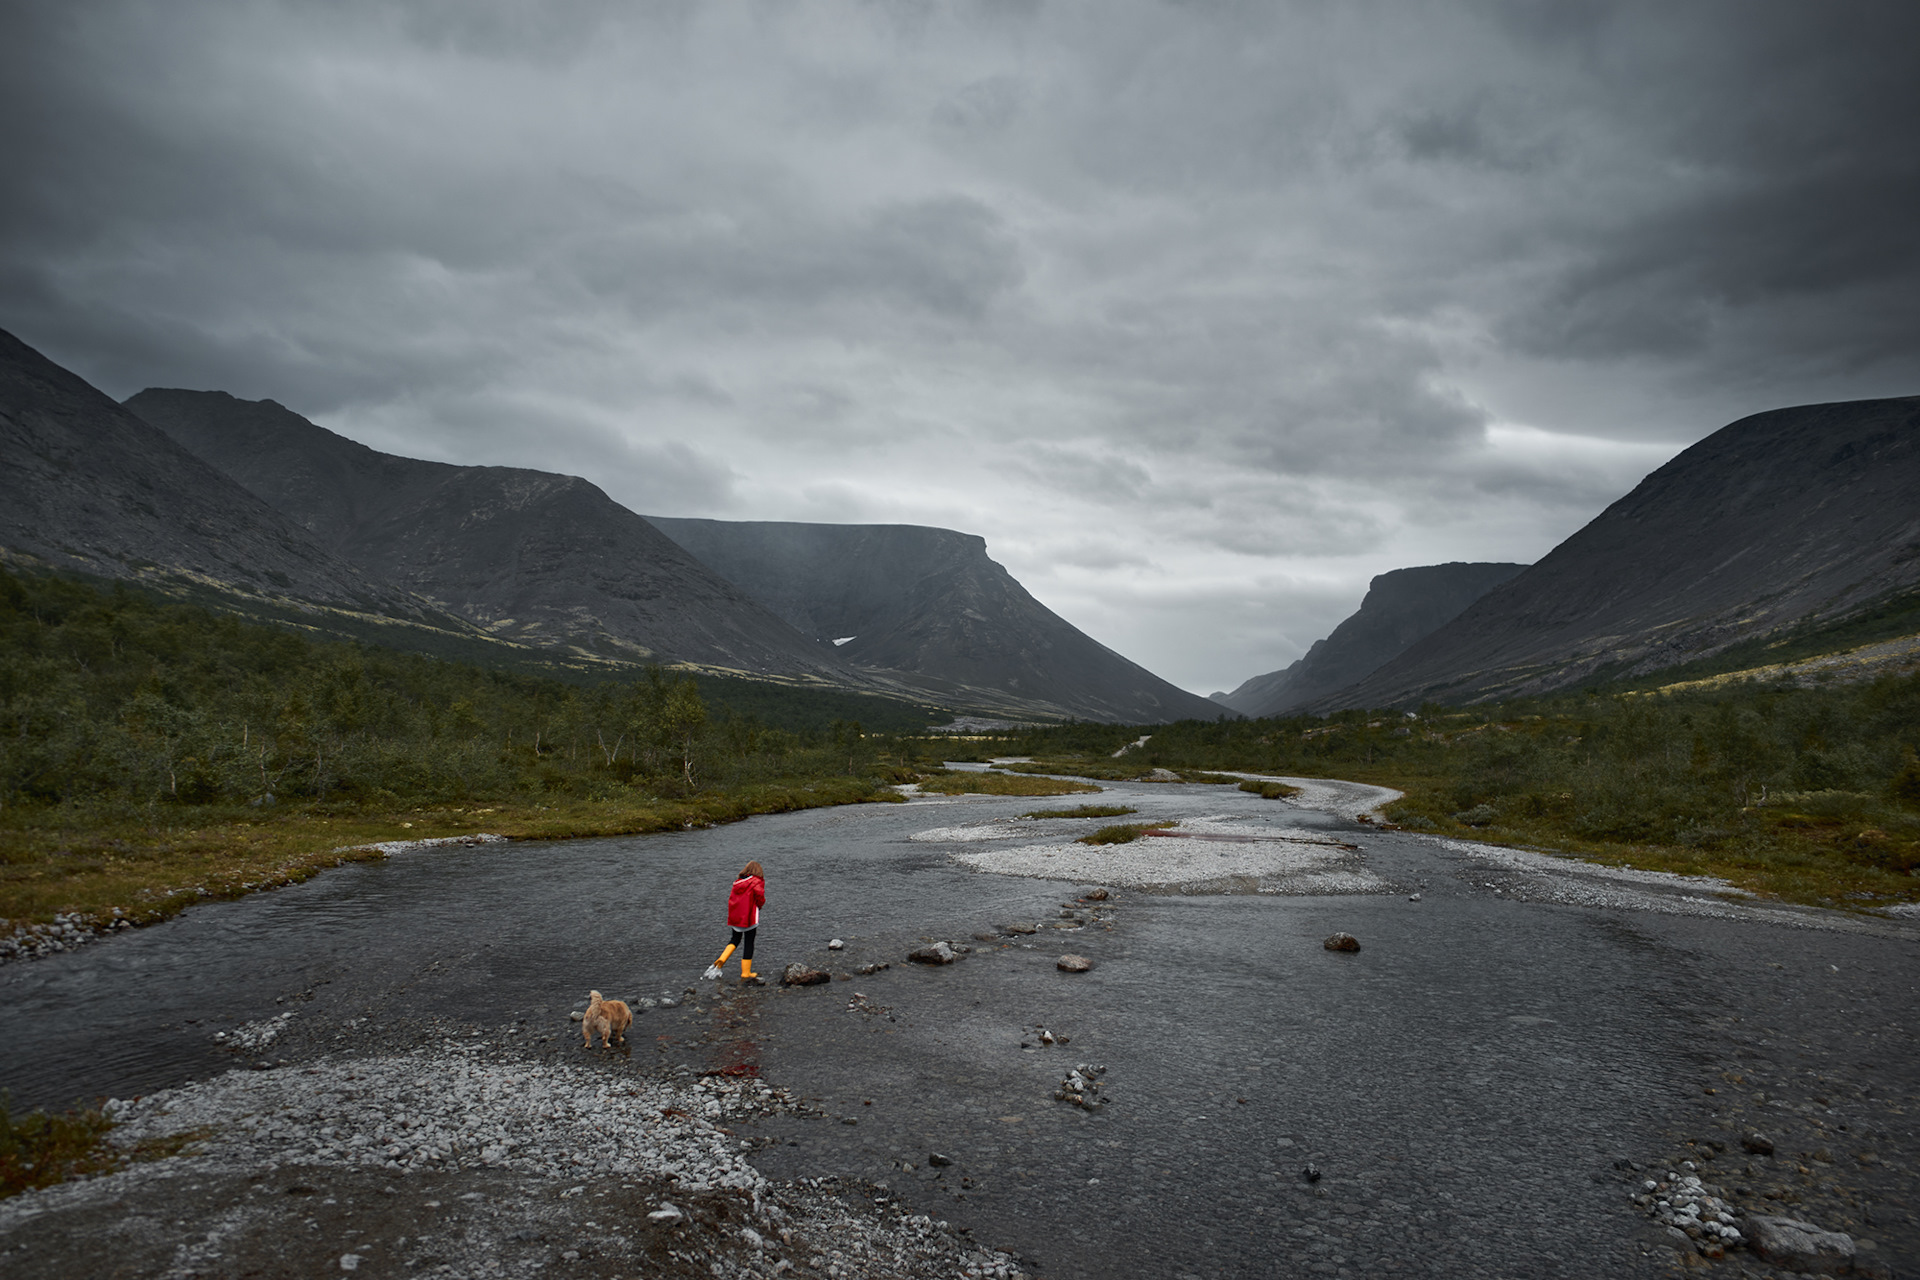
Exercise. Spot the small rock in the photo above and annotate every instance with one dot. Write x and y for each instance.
(938, 953)
(1342, 942)
(577, 1014)
(1799, 1246)
(1046, 1037)
(753, 1238)
(873, 968)
(349, 1262)
(838, 944)
(799, 975)
(986, 937)
(1022, 927)
(939, 1161)
(1413, 897)
(668, 1213)
(1311, 1173)
(1097, 895)
(1073, 964)
(1758, 1143)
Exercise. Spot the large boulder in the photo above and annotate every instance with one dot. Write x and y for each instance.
(1799, 1246)
(799, 975)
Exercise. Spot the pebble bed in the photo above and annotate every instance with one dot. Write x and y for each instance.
(1693, 1213)
(452, 1110)
(1542, 877)
(64, 933)
(1256, 860)
(446, 1111)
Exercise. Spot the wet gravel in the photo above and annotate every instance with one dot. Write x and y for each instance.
(1482, 1090)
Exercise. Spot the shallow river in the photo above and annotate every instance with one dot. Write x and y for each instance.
(1466, 1085)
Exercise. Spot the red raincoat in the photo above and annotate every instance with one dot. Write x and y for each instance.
(744, 903)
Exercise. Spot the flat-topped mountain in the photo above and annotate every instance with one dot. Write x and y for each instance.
(929, 605)
(1795, 516)
(87, 486)
(1400, 608)
(538, 558)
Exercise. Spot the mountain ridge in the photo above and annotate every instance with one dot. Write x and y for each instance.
(1782, 518)
(1401, 606)
(929, 605)
(534, 557)
(91, 488)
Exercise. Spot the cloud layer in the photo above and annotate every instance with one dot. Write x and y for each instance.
(1201, 313)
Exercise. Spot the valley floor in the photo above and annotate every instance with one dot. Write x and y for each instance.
(1481, 1090)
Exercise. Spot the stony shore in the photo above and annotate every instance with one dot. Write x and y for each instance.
(453, 1162)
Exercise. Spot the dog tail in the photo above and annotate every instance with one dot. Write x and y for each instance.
(594, 997)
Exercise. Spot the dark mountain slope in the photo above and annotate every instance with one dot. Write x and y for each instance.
(87, 486)
(1400, 607)
(534, 557)
(1788, 517)
(929, 605)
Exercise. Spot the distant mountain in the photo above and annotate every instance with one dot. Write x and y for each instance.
(927, 605)
(541, 559)
(1792, 517)
(87, 486)
(1400, 608)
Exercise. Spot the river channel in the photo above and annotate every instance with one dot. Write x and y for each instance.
(1477, 1090)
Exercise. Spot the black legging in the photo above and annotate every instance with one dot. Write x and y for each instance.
(743, 939)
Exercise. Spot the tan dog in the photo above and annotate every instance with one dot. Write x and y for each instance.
(607, 1018)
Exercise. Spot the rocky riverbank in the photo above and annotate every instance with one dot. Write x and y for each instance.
(453, 1162)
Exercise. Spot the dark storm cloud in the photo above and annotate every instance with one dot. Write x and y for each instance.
(1271, 297)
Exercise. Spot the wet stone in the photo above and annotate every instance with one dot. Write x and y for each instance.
(1798, 1245)
(936, 953)
(1073, 964)
(799, 975)
(1342, 942)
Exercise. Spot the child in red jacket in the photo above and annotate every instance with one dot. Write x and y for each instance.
(743, 915)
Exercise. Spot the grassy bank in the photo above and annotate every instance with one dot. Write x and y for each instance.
(155, 754)
(102, 864)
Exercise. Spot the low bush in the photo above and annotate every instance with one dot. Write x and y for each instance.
(963, 782)
(1084, 811)
(1125, 832)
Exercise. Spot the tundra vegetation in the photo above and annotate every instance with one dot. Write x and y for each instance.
(1125, 832)
(1809, 794)
(969, 782)
(155, 754)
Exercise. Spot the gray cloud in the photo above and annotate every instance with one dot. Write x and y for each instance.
(1203, 314)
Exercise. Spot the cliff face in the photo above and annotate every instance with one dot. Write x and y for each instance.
(1795, 515)
(538, 558)
(87, 486)
(1400, 608)
(927, 607)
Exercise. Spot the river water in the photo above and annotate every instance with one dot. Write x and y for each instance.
(1464, 1086)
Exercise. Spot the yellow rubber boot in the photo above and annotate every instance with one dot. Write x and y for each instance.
(723, 956)
(746, 970)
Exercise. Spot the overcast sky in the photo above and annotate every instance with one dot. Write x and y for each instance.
(1202, 314)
